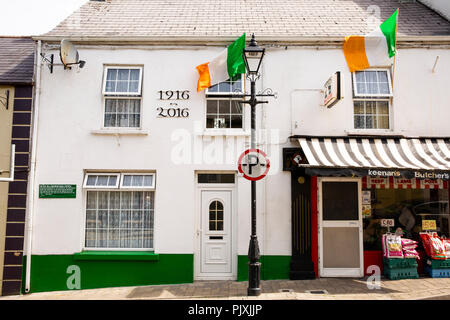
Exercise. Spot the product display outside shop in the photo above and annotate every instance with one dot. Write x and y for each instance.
(400, 256)
(409, 202)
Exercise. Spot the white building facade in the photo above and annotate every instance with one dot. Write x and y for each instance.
(135, 172)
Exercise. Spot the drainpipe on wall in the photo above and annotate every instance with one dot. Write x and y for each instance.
(31, 176)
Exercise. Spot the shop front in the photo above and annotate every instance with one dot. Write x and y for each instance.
(358, 190)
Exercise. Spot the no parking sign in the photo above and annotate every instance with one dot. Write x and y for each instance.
(253, 164)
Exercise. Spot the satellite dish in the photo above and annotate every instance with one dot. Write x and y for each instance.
(69, 55)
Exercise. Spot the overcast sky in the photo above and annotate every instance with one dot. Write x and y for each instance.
(34, 17)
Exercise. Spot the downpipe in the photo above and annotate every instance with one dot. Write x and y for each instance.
(32, 174)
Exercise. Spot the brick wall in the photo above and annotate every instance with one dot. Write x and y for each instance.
(17, 193)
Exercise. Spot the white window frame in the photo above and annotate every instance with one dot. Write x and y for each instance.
(231, 94)
(375, 129)
(117, 188)
(372, 97)
(131, 94)
(229, 114)
(122, 98)
(369, 96)
(227, 96)
(131, 188)
(87, 175)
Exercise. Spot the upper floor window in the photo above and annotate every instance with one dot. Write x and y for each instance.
(122, 81)
(371, 99)
(122, 97)
(222, 107)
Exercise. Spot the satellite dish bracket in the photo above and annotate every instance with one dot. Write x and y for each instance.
(50, 62)
(68, 55)
(68, 66)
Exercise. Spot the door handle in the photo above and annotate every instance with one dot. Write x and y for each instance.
(199, 231)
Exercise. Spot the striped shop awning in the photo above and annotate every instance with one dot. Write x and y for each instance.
(393, 153)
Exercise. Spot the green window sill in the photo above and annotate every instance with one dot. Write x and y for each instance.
(116, 256)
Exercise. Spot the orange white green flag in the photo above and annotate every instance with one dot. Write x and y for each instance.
(224, 66)
(373, 49)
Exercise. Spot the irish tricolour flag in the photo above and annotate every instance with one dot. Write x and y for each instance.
(373, 49)
(225, 66)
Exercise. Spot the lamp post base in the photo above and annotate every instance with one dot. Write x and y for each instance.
(253, 279)
(253, 292)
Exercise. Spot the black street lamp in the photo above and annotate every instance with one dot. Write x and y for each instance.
(253, 56)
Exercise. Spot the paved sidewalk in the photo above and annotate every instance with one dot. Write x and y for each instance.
(334, 289)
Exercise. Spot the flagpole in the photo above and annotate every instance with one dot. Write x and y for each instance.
(395, 48)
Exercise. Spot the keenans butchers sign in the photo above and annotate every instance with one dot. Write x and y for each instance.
(416, 174)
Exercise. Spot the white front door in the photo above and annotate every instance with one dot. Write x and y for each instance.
(341, 245)
(216, 235)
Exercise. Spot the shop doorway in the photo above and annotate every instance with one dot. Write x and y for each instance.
(215, 256)
(340, 228)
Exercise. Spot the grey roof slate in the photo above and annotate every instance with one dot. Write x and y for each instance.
(16, 60)
(270, 19)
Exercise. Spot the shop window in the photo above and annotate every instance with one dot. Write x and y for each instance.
(216, 216)
(122, 97)
(408, 203)
(223, 109)
(120, 219)
(371, 99)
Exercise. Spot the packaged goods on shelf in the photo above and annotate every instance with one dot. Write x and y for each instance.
(392, 246)
(434, 245)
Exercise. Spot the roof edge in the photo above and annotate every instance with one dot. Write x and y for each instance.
(227, 39)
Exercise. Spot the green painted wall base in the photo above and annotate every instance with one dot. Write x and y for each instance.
(272, 267)
(58, 272)
(101, 270)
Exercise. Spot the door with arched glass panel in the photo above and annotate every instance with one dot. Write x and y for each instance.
(216, 233)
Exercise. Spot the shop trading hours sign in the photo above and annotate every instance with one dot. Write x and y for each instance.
(253, 164)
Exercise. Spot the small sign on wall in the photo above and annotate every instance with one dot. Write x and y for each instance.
(57, 191)
(332, 90)
(366, 197)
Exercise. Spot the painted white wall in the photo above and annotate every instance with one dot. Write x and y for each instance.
(419, 102)
(72, 111)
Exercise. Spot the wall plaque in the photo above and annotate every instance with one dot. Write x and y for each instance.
(57, 191)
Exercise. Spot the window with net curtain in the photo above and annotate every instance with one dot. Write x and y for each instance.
(372, 91)
(122, 91)
(119, 216)
(223, 111)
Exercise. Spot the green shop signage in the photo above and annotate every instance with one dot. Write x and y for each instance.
(57, 191)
